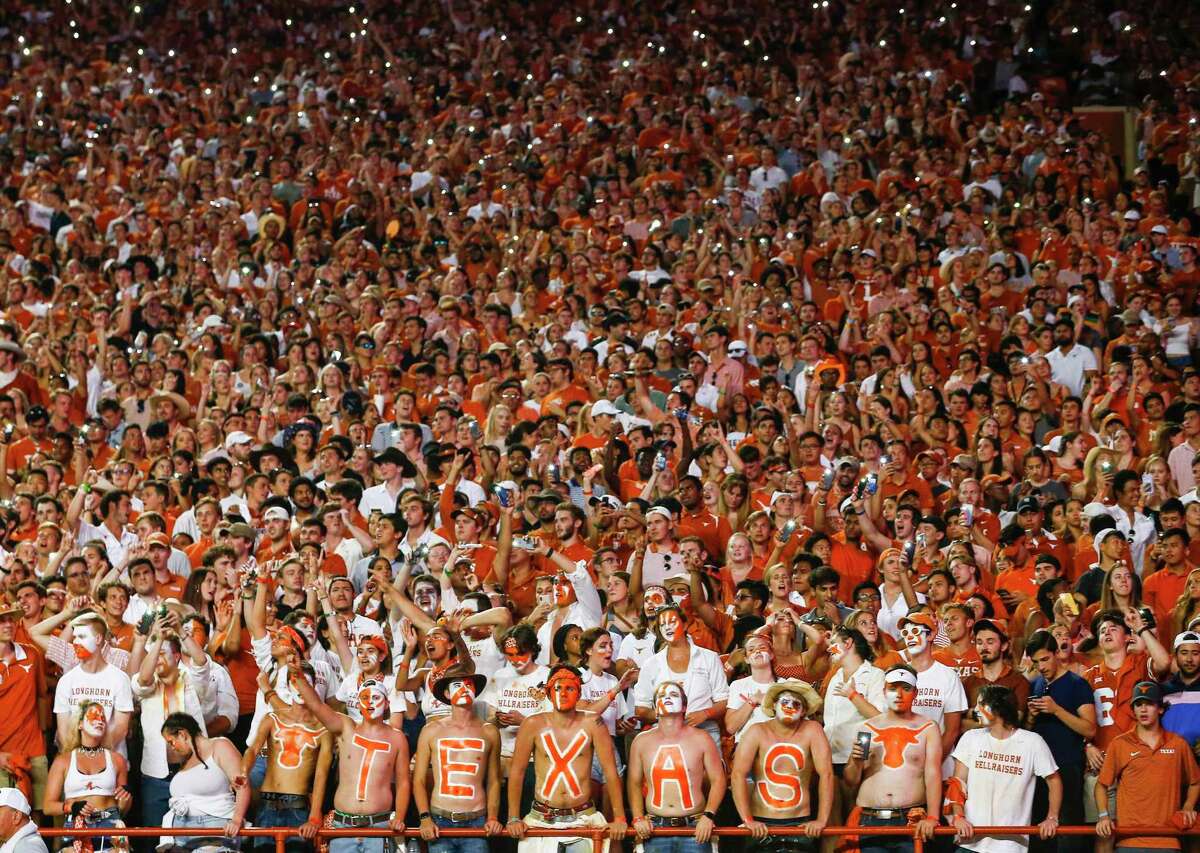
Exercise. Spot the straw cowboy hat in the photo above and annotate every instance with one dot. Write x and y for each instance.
(181, 405)
(812, 699)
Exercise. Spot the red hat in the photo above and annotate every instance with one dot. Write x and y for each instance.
(925, 620)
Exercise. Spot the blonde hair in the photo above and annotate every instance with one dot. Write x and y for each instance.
(73, 738)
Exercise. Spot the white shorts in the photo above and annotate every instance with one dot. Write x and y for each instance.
(550, 845)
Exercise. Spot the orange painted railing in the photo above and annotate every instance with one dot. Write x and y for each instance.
(598, 834)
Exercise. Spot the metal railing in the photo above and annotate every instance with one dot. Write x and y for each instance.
(598, 834)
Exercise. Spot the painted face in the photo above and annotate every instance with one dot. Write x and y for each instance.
(789, 708)
(759, 654)
(563, 690)
(461, 693)
(372, 701)
(669, 625)
(984, 713)
(669, 700)
(915, 637)
(545, 596)
(900, 697)
(307, 630)
(426, 597)
(515, 656)
(94, 721)
(655, 597)
(86, 642)
(564, 591)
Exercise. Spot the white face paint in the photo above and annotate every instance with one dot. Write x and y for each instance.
(461, 693)
(94, 722)
(915, 637)
(789, 708)
(307, 630)
(984, 714)
(426, 597)
(899, 697)
(669, 625)
(86, 642)
(670, 700)
(759, 655)
(372, 702)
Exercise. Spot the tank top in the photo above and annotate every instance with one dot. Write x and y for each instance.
(202, 790)
(102, 784)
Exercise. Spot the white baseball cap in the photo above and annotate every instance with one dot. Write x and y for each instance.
(900, 676)
(277, 512)
(604, 407)
(237, 437)
(14, 799)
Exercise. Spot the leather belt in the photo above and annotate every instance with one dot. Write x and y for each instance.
(285, 801)
(547, 811)
(458, 817)
(681, 820)
(889, 813)
(358, 820)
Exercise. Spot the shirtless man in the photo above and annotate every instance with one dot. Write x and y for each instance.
(562, 742)
(773, 767)
(462, 753)
(299, 751)
(373, 785)
(668, 767)
(903, 767)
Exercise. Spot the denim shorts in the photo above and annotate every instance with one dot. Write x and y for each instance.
(203, 843)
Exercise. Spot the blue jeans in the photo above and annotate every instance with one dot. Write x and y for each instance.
(884, 843)
(156, 794)
(361, 845)
(458, 845)
(783, 843)
(204, 842)
(258, 773)
(269, 815)
(675, 844)
(101, 844)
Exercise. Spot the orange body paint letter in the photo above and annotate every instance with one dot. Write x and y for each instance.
(369, 748)
(461, 789)
(560, 764)
(785, 778)
(668, 766)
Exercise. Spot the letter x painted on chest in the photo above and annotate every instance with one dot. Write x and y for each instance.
(561, 771)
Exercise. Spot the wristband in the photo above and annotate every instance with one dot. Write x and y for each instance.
(1102, 815)
(710, 816)
(425, 816)
(87, 488)
(513, 819)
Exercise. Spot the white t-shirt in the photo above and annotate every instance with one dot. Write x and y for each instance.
(347, 693)
(1068, 369)
(637, 649)
(939, 692)
(738, 691)
(488, 658)
(512, 692)
(594, 687)
(1000, 777)
(109, 687)
(842, 719)
(326, 680)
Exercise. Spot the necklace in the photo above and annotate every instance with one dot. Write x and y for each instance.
(90, 750)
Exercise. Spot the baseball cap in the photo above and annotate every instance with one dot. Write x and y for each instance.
(1186, 637)
(158, 538)
(237, 437)
(736, 348)
(925, 620)
(658, 510)
(277, 512)
(852, 461)
(1028, 505)
(603, 407)
(1159, 229)
(14, 799)
(989, 625)
(964, 460)
(607, 500)
(1146, 691)
(244, 531)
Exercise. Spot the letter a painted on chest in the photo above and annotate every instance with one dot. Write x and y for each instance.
(668, 766)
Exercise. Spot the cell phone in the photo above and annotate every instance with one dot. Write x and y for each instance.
(827, 480)
(504, 495)
(660, 462)
(525, 543)
(1148, 617)
(910, 550)
(863, 739)
(555, 473)
(1147, 485)
(473, 428)
(968, 514)
(872, 483)
(885, 460)
(787, 530)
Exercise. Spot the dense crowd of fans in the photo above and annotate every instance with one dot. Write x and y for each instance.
(644, 416)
